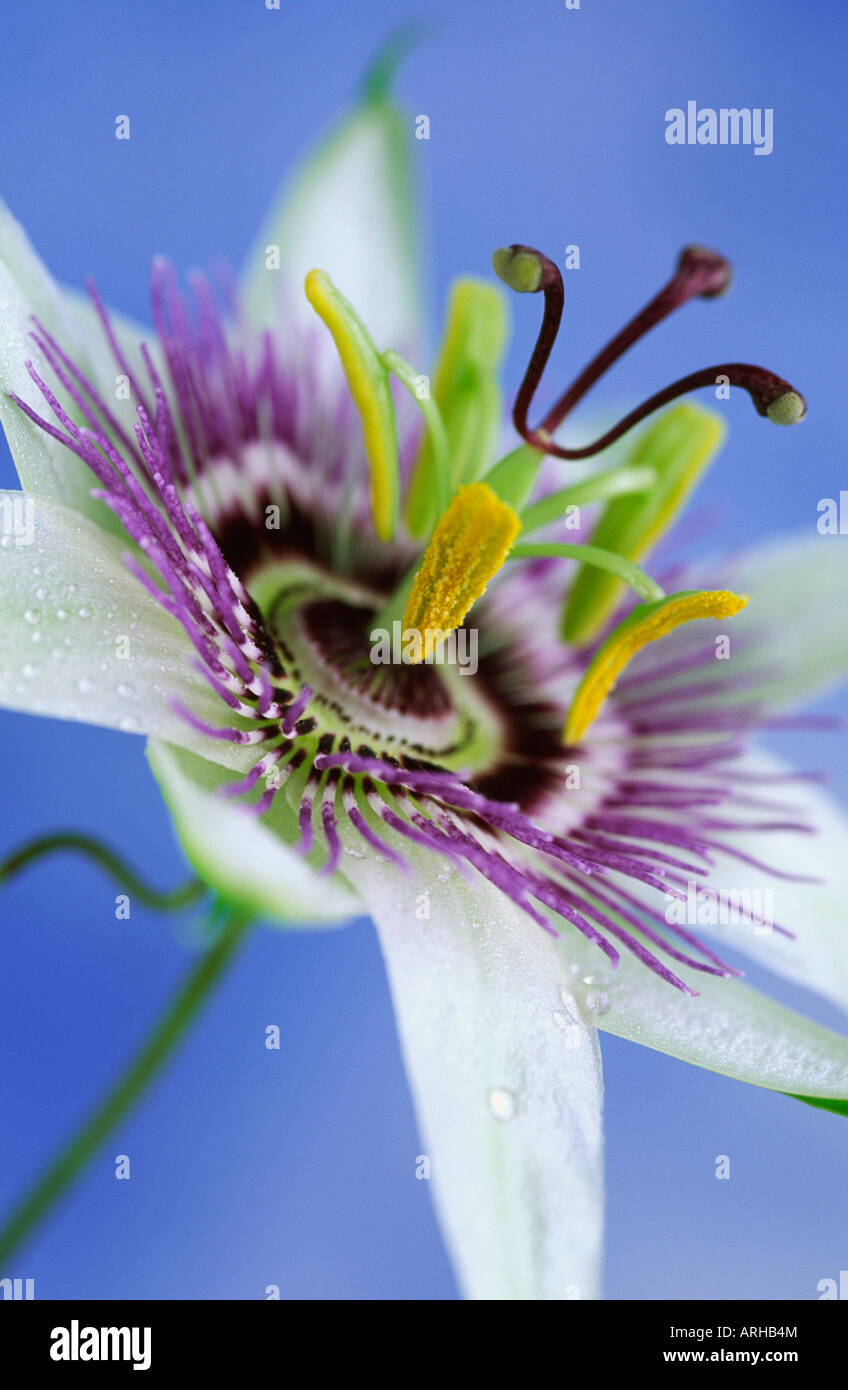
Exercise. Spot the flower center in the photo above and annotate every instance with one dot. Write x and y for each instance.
(424, 712)
(338, 632)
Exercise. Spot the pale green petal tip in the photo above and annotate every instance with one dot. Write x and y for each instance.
(787, 409)
(377, 82)
(520, 270)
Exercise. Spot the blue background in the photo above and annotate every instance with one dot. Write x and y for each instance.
(296, 1168)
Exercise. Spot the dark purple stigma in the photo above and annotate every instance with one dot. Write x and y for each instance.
(700, 273)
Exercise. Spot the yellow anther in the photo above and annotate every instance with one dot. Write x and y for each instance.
(467, 548)
(368, 380)
(646, 623)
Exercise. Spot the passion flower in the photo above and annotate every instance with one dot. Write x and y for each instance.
(224, 516)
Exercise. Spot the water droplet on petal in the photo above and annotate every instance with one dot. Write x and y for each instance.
(125, 691)
(32, 615)
(84, 612)
(85, 686)
(568, 1024)
(502, 1104)
(28, 671)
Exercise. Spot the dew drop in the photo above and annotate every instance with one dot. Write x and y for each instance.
(28, 671)
(61, 614)
(125, 691)
(85, 686)
(32, 615)
(41, 592)
(128, 724)
(502, 1104)
(84, 612)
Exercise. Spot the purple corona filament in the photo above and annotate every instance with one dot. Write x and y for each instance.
(191, 488)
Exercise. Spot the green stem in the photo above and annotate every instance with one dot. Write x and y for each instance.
(110, 862)
(160, 1046)
(600, 487)
(642, 583)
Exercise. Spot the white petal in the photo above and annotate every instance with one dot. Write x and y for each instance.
(729, 1028)
(796, 624)
(67, 602)
(349, 212)
(506, 1079)
(814, 912)
(44, 466)
(240, 856)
